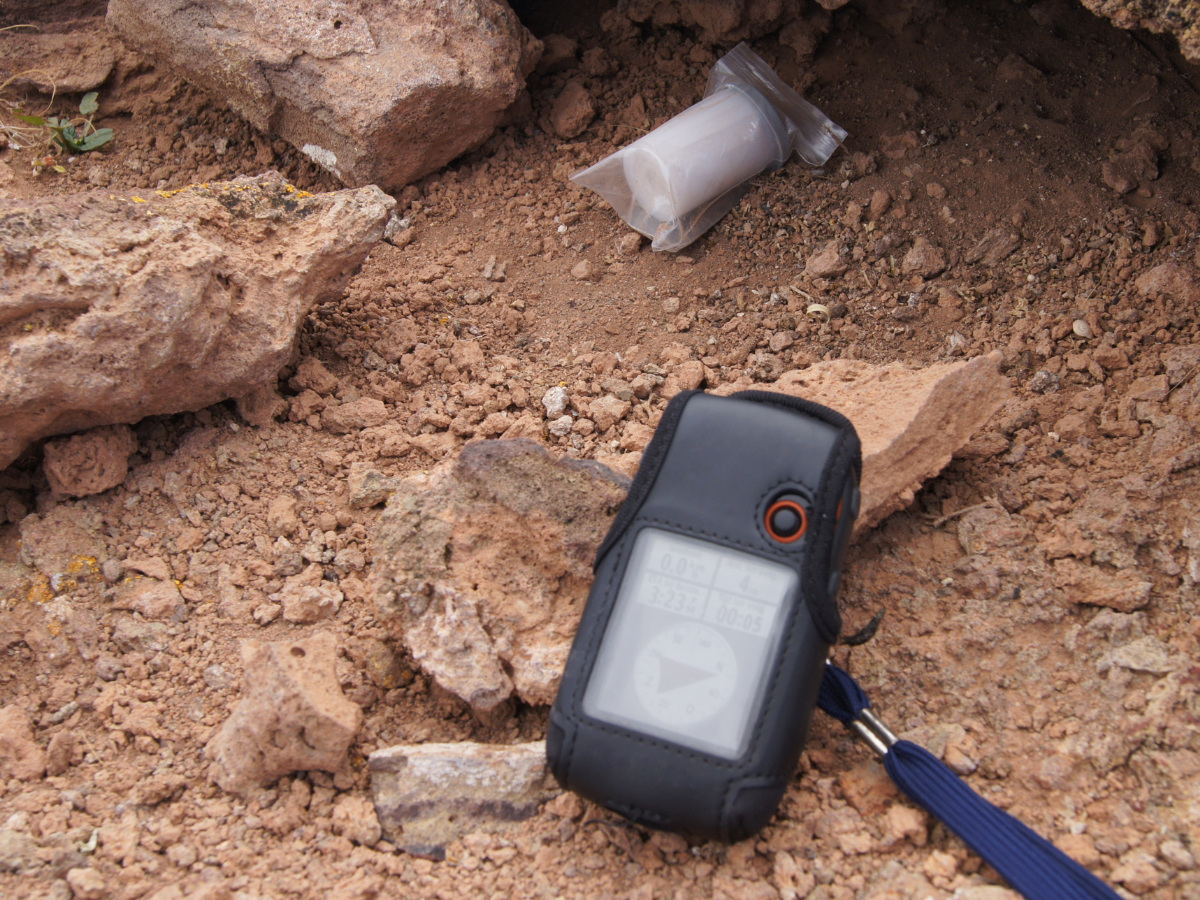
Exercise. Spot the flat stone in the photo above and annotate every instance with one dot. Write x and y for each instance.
(427, 795)
(923, 259)
(994, 246)
(1146, 654)
(367, 412)
(1092, 586)
(374, 92)
(910, 421)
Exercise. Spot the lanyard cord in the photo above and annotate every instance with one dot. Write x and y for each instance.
(1029, 863)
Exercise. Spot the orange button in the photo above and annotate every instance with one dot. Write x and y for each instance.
(786, 521)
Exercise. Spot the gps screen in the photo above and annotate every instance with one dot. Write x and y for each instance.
(693, 631)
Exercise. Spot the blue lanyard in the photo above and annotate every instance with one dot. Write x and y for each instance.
(1029, 863)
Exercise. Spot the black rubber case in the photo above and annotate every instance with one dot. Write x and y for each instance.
(714, 466)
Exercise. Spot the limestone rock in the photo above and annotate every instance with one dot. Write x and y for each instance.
(294, 716)
(176, 302)
(89, 463)
(607, 411)
(910, 421)
(368, 487)
(427, 795)
(20, 756)
(1146, 654)
(87, 884)
(482, 566)
(375, 92)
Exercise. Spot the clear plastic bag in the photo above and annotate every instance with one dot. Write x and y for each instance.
(676, 182)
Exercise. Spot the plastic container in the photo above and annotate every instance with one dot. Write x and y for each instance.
(676, 182)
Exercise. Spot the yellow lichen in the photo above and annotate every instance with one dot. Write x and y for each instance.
(40, 591)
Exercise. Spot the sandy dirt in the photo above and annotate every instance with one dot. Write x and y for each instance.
(994, 118)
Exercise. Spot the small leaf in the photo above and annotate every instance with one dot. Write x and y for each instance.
(60, 170)
(88, 105)
(101, 137)
(29, 120)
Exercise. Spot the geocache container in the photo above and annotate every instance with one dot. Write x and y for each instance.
(675, 183)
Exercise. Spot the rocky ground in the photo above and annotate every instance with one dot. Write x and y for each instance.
(1019, 178)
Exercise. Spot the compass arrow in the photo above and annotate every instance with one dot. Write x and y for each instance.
(673, 675)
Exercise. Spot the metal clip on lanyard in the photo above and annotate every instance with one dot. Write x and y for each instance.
(1029, 863)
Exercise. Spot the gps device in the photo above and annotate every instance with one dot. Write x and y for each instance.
(689, 688)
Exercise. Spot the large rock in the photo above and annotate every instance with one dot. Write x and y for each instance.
(482, 566)
(1161, 16)
(375, 92)
(294, 716)
(117, 308)
(427, 795)
(910, 421)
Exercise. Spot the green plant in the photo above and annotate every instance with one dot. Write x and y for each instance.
(73, 135)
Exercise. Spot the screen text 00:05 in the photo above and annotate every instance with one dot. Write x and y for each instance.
(733, 618)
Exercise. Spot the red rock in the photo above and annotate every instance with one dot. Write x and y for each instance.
(482, 566)
(1111, 358)
(826, 263)
(375, 93)
(558, 54)
(1091, 586)
(178, 304)
(154, 599)
(923, 259)
(573, 111)
(91, 462)
(20, 756)
(294, 716)
(366, 412)
(1170, 280)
